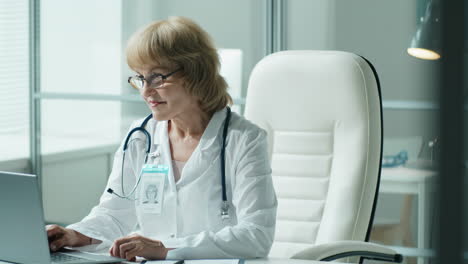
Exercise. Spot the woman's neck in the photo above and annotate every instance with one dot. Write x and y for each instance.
(190, 125)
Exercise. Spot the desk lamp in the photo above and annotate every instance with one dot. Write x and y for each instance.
(426, 42)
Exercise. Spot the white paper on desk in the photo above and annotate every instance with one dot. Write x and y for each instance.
(197, 261)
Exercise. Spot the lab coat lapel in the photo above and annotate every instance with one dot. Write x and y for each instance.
(207, 151)
(210, 136)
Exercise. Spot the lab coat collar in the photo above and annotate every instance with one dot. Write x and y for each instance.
(212, 130)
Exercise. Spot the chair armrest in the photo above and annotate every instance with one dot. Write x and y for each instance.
(342, 249)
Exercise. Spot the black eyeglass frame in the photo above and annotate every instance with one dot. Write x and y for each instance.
(151, 78)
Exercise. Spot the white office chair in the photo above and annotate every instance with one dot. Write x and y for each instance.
(322, 111)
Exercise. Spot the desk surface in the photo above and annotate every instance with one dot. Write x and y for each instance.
(265, 261)
(286, 261)
(402, 174)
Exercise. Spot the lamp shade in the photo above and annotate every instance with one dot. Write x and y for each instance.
(426, 42)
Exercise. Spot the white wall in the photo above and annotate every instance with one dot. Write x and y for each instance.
(379, 30)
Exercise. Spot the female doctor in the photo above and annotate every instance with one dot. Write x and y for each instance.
(169, 202)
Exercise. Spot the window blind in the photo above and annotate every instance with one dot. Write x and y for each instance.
(14, 66)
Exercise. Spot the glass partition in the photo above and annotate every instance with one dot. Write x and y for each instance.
(79, 139)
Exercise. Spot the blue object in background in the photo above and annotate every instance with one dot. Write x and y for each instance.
(399, 159)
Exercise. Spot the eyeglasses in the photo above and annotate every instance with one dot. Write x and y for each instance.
(156, 80)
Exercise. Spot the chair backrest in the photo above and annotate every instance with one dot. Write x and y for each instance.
(323, 114)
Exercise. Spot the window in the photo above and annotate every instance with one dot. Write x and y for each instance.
(14, 80)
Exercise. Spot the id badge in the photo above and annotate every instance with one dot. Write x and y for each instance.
(151, 194)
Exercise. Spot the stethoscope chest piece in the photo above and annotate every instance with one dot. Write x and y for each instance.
(225, 211)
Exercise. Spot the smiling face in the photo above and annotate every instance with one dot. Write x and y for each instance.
(171, 99)
(178, 41)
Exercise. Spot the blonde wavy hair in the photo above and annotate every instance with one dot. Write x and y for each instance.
(178, 42)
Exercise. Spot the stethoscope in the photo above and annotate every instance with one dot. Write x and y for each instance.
(141, 128)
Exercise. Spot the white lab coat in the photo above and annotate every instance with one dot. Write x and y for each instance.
(190, 220)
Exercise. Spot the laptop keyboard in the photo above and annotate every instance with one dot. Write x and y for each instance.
(64, 258)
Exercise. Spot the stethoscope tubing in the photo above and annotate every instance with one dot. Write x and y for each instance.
(141, 128)
(223, 151)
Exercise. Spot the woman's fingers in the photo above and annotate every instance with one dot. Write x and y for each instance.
(131, 255)
(132, 246)
(54, 231)
(58, 244)
(56, 237)
(115, 250)
(68, 237)
(125, 248)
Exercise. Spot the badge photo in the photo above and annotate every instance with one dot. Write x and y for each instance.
(151, 193)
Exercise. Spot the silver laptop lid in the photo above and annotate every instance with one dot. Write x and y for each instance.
(23, 237)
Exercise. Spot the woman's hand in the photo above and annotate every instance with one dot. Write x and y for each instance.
(60, 237)
(130, 247)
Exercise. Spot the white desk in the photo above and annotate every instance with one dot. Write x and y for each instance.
(286, 261)
(265, 261)
(418, 182)
(258, 261)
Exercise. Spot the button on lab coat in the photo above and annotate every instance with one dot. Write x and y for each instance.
(190, 220)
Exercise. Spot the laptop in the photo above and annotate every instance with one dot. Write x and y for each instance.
(23, 238)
